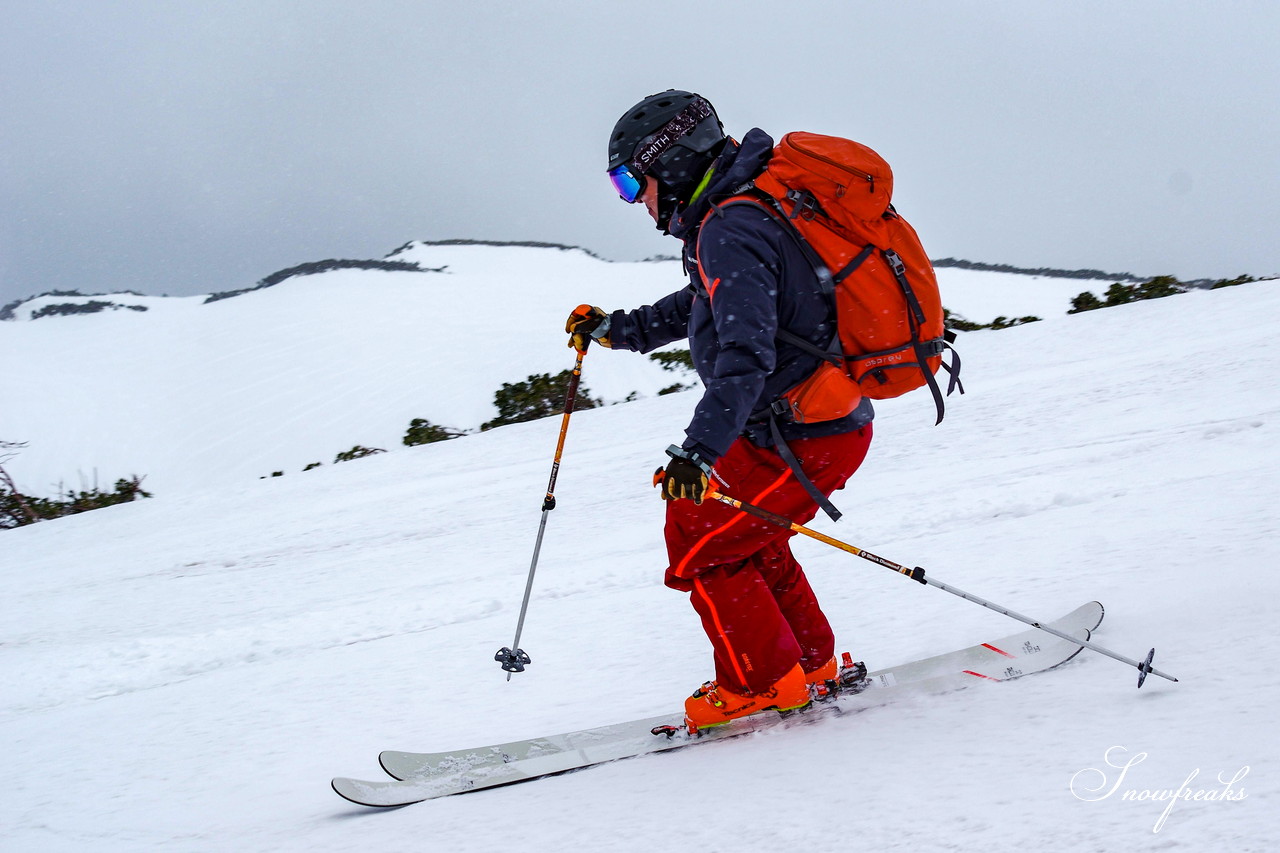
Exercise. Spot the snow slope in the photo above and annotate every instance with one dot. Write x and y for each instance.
(190, 394)
(188, 672)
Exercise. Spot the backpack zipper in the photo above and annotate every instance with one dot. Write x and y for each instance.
(870, 179)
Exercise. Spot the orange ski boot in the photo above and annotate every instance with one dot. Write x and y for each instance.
(714, 705)
(822, 681)
(832, 679)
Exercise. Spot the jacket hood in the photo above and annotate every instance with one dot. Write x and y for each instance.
(736, 165)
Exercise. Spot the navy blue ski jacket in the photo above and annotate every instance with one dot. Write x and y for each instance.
(760, 282)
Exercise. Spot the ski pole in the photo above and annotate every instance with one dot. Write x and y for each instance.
(918, 574)
(513, 658)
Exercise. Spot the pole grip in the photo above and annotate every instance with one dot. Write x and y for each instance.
(571, 396)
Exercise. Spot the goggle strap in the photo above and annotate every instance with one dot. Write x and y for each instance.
(684, 121)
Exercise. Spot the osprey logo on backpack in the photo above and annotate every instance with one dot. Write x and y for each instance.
(833, 196)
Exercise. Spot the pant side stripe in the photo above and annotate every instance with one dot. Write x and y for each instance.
(681, 570)
(715, 619)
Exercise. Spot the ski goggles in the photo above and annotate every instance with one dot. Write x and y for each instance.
(628, 182)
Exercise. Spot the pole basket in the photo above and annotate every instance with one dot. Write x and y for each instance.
(1145, 668)
(512, 661)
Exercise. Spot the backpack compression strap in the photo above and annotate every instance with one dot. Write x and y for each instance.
(925, 349)
(784, 450)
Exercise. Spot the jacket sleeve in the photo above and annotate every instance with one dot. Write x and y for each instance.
(651, 326)
(739, 256)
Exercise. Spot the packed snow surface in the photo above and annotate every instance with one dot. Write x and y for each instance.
(187, 672)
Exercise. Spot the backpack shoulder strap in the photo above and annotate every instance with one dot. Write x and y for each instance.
(749, 194)
(804, 206)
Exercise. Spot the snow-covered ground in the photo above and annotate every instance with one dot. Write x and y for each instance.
(187, 672)
(189, 394)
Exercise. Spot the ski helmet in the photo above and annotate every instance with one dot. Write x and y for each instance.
(674, 136)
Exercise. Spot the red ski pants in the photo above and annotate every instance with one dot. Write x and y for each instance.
(754, 600)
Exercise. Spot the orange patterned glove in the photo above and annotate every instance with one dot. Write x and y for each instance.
(585, 324)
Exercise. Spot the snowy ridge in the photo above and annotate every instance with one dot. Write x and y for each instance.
(189, 394)
(189, 671)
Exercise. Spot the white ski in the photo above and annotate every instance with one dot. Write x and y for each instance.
(424, 776)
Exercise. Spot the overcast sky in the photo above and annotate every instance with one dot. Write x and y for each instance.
(182, 147)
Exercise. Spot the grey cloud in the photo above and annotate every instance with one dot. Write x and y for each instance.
(187, 148)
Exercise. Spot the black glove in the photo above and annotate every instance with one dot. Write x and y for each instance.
(687, 475)
(585, 324)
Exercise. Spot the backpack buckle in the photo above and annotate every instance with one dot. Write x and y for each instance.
(805, 204)
(936, 346)
(896, 264)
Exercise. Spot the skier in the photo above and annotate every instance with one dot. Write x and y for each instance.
(747, 279)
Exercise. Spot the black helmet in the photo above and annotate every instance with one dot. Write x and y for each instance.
(674, 136)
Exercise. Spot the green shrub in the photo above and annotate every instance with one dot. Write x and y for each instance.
(1121, 294)
(1160, 287)
(357, 452)
(679, 359)
(538, 396)
(17, 509)
(422, 431)
(959, 324)
(1085, 302)
(1232, 282)
(1006, 323)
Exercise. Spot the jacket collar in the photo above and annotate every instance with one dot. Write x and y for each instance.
(736, 165)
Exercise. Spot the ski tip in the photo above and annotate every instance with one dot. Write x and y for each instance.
(341, 787)
(370, 794)
(382, 761)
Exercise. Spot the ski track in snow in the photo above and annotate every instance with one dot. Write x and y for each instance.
(187, 672)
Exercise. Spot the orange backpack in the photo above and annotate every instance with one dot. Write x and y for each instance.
(833, 195)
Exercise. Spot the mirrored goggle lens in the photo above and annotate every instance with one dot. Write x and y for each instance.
(627, 183)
